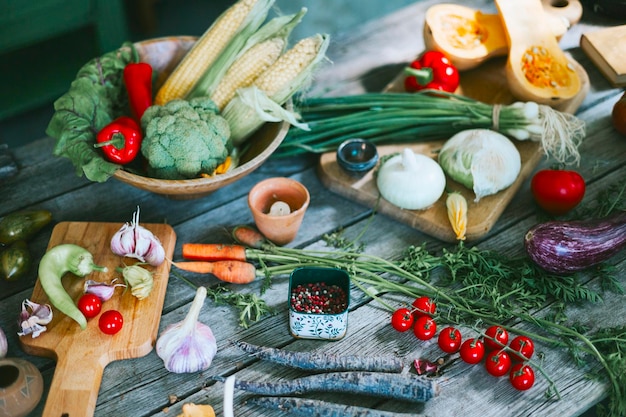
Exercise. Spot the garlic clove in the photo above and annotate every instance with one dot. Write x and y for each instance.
(102, 290)
(188, 346)
(33, 318)
(4, 344)
(279, 208)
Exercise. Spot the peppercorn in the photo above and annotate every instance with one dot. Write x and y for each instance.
(318, 298)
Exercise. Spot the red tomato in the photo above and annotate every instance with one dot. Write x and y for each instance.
(496, 337)
(524, 347)
(522, 376)
(498, 363)
(557, 191)
(449, 340)
(402, 319)
(618, 115)
(424, 306)
(90, 305)
(111, 322)
(472, 351)
(425, 328)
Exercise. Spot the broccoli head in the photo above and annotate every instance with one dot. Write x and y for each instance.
(183, 139)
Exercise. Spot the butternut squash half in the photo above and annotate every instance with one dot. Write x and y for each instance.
(468, 36)
(537, 69)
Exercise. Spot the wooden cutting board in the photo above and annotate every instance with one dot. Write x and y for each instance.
(486, 83)
(82, 355)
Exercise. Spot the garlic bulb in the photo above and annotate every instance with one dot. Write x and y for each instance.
(482, 160)
(188, 346)
(135, 241)
(410, 181)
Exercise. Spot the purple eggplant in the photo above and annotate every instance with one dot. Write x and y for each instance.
(564, 247)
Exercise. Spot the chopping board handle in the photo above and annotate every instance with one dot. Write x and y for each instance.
(74, 389)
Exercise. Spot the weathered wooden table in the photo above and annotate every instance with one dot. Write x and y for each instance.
(364, 60)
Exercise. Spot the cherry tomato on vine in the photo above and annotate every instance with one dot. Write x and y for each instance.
(111, 322)
(472, 351)
(425, 328)
(498, 363)
(557, 191)
(424, 306)
(522, 376)
(90, 305)
(402, 319)
(449, 340)
(524, 347)
(618, 115)
(496, 337)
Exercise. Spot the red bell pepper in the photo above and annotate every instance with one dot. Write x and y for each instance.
(138, 81)
(432, 70)
(120, 140)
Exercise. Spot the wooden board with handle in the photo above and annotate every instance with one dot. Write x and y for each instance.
(486, 83)
(82, 355)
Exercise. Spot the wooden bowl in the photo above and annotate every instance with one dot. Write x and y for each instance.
(163, 54)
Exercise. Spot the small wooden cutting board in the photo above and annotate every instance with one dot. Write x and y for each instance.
(82, 355)
(486, 83)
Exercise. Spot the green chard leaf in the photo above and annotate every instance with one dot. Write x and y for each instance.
(94, 99)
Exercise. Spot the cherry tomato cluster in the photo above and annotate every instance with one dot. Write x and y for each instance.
(501, 357)
(110, 322)
(418, 317)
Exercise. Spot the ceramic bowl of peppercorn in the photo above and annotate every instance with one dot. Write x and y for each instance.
(318, 303)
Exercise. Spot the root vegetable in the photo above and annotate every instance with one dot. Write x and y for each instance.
(323, 361)
(304, 407)
(235, 272)
(404, 387)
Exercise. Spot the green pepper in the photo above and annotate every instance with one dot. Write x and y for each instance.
(55, 263)
(15, 261)
(22, 225)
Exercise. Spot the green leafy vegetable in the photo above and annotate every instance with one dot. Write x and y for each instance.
(94, 99)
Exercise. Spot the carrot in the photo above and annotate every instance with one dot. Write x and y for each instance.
(308, 407)
(323, 362)
(213, 252)
(404, 387)
(235, 272)
(249, 236)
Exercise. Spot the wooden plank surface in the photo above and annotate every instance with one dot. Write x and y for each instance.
(363, 60)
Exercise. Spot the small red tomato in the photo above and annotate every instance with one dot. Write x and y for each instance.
(472, 351)
(111, 322)
(402, 319)
(449, 340)
(498, 363)
(496, 337)
(618, 115)
(90, 305)
(522, 376)
(424, 306)
(425, 328)
(557, 191)
(524, 347)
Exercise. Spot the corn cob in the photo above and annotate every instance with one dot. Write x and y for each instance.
(241, 19)
(246, 69)
(262, 102)
(250, 63)
(278, 81)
